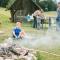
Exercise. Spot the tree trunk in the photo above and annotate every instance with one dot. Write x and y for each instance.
(12, 15)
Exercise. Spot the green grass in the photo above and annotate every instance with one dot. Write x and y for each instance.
(47, 56)
(7, 26)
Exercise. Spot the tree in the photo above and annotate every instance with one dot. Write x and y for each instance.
(48, 4)
(3, 3)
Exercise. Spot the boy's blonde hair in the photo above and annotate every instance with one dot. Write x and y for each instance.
(18, 24)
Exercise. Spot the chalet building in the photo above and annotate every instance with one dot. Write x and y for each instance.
(20, 8)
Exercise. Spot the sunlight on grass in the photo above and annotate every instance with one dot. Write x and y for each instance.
(4, 11)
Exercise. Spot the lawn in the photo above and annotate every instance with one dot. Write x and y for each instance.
(6, 26)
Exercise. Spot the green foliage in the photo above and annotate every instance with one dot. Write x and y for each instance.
(48, 5)
(3, 3)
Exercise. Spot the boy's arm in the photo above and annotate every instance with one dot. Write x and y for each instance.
(22, 34)
(14, 34)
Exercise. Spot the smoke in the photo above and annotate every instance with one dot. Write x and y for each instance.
(51, 39)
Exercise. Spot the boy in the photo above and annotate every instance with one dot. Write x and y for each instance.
(40, 18)
(17, 31)
(38, 22)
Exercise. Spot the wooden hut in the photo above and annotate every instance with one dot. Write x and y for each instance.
(21, 8)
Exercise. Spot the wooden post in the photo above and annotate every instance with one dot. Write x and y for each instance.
(49, 22)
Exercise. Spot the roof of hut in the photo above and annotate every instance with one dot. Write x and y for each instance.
(10, 3)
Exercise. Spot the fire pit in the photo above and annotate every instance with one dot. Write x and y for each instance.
(10, 51)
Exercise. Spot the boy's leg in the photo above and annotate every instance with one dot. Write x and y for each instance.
(38, 25)
(35, 24)
(42, 22)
